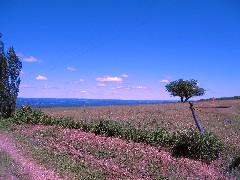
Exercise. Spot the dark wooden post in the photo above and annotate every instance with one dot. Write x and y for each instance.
(196, 119)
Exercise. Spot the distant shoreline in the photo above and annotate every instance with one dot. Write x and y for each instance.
(75, 102)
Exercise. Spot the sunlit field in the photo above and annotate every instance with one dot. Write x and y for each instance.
(224, 122)
(129, 141)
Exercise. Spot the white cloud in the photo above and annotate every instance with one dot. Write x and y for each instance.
(30, 59)
(71, 68)
(80, 80)
(83, 91)
(27, 58)
(23, 73)
(98, 92)
(114, 88)
(19, 55)
(110, 79)
(24, 86)
(101, 85)
(124, 75)
(141, 87)
(41, 78)
(164, 81)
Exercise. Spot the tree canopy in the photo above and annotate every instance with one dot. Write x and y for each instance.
(184, 89)
(10, 67)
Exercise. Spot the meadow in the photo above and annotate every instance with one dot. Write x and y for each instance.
(224, 122)
(131, 141)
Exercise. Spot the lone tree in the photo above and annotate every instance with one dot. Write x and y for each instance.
(184, 89)
(10, 68)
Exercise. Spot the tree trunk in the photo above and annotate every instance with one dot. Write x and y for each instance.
(199, 126)
(181, 99)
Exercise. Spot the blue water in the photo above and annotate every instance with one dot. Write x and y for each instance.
(72, 102)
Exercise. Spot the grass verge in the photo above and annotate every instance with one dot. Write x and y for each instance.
(62, 163)
(9, 169)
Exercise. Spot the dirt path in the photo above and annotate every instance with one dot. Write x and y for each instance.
(35, 171)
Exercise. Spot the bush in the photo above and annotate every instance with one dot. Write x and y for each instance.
(193, 144)
(29, 116)
(187, 143)
(162, 137)
(107, 127)
(3, 123)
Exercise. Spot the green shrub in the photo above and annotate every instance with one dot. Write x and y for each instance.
(162, 137)
(193, 144)
(231, 155)
(107, 128)
(30, 116)
(3, 123)
(35, 116)
(187, 143)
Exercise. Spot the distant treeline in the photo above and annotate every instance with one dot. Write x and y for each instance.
(222, 98)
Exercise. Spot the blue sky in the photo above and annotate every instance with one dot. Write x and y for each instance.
(123, 49)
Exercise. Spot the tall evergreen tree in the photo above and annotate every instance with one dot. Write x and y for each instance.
(3, 65)
(10, 67)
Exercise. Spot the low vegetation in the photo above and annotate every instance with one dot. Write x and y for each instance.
(222, 98)
(184, 142)
(63, 163)
(9, 169)
(188, 143)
